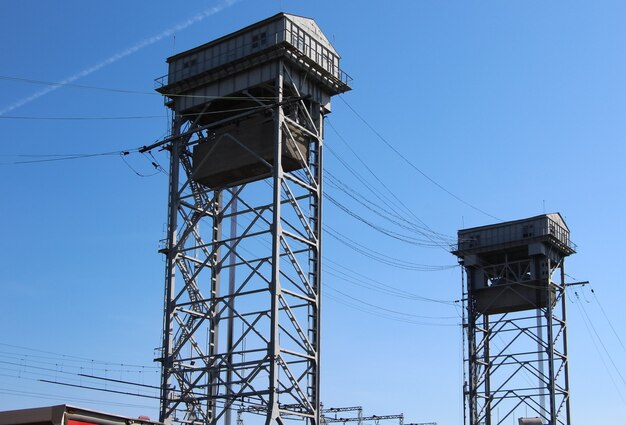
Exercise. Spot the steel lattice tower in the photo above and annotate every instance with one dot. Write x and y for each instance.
(243, 247)
(516, 327)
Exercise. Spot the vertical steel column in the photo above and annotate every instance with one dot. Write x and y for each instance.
(514, 364)
(472, 396)
(487, 368)
(266, 362)
(565, 354)
(252, 345)
(516, 325)
(170, 251)
(550, 339)
(316, 259)
(232, 260)
(274, 354)
(215, 314)
(465, 337)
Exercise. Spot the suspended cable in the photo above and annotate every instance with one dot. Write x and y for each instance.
(128, 117)
(380, 257)
(360, 178)
(122, 155)
(368, 282)
(607, 319)
(65, 398)
(399, 295)
(67, 384)
(390, 233)
(69, 157)
(69, 356)
(381, 312)
(412, 165)
(376, 306)
(119, 381)
(380, 211)
(593, 328)
(595, 344)
(127, 91)
(81, 385)
(67, 363)
(43, 118)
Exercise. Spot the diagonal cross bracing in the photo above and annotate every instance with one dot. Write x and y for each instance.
(252, 342)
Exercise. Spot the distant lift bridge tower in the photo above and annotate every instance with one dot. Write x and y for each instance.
(241, 325)
(516, 324)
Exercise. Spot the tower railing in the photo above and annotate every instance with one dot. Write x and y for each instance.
(307, 46)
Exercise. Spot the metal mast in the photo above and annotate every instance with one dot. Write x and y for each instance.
(516, 328)
(243, 248)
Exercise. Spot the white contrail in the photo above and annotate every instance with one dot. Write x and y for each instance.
(116, 57)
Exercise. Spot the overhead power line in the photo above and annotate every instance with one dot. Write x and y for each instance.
(376, 177)
(65, 398)
(87, 387)
(387, 232)
(593, 328)
(412, 165)
(607, 319)
(386, 214)
(379, 311)
(129, 117)
(124, 91)
(368, 282)
(69, 157)
(123, 53)
(381, 257)
(595, 344)
(71, 357)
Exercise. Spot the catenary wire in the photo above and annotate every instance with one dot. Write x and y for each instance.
(58, 118)
(388, 310)
(68, 363)
(382, 212)
(387, 232)
(381, 257)
(126, 117)
(127, 91)
(412, 165)
(595, 344)
(46, 396)
(381, 313)
(593, 328)
(69, 356)
(607, 319)
(378, 285)
(369, 169)
(80, 384)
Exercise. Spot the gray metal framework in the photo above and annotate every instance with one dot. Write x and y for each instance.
(253, 342)
(330, 415)
(517, 361)
(243, 246)
(423, 423)
(365, 419)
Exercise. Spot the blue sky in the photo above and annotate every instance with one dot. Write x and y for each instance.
(515, 107)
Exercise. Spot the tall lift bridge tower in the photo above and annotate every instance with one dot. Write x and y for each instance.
(241, 324)
(516, 325)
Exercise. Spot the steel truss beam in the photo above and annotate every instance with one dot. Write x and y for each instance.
(330, 415)
(254, 343)
(517, 362)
